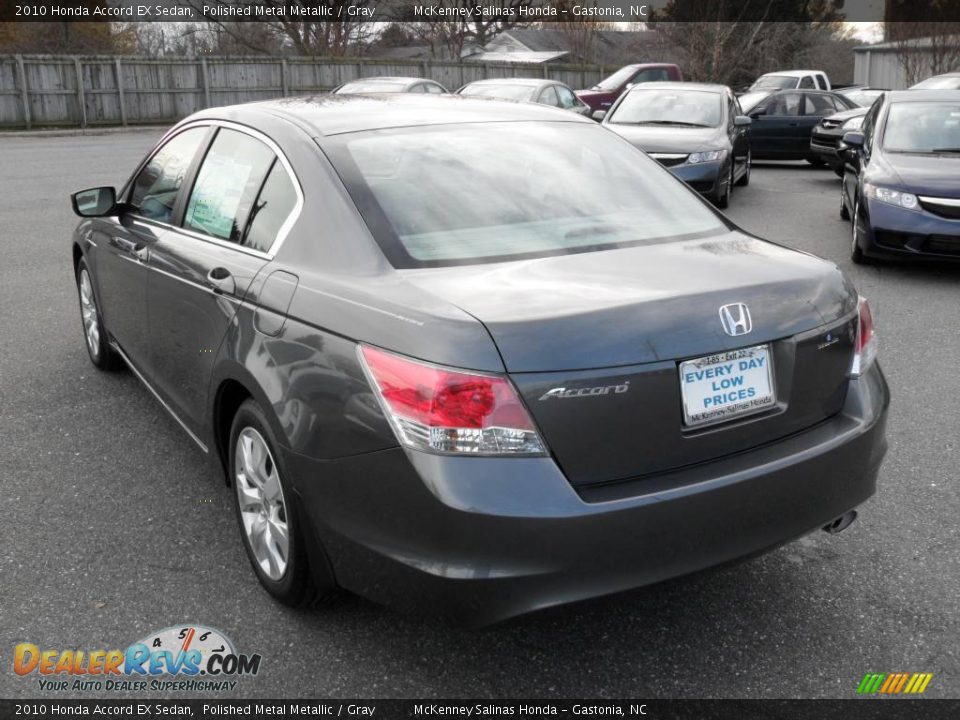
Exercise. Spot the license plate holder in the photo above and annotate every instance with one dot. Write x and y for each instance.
(727, 385)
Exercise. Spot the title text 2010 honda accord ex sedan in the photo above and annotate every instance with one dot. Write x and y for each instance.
(477, 357)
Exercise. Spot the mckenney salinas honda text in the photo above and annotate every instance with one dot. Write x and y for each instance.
(476, 357)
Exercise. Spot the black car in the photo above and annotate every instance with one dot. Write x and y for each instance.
(901, 186)
(826, 141)
(696, 130)
(390, 85)
(783, 121)
(546, 92)
(476, 358)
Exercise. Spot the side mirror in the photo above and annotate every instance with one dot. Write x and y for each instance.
(758, 113)
(742, 121)
(95, 202)
(629, 85)
(598, 115)
(854, 139)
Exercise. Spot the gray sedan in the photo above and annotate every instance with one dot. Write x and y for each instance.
(545, 92)
(476, 358)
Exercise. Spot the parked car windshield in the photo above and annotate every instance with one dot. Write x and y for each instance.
(694, 108)
(506, 91)
(774, 82)
(863, 98)
(463, 194)
(923, 127)
(616, 80)
(939, 82)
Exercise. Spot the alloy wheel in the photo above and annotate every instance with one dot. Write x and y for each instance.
(262, 507)
(88, 310)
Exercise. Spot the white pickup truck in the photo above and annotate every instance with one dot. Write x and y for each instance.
(790, 79)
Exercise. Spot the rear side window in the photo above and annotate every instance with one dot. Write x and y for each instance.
(806, 82)
(274, 205)
(227, 185)
(156, 188)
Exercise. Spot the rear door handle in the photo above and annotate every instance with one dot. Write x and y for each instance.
(221, 281)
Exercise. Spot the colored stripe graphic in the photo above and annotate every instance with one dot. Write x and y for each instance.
(894, 683)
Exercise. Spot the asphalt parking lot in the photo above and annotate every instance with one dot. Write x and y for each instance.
(112, 525)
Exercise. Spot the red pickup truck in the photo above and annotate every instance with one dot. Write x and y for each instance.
(602, 95)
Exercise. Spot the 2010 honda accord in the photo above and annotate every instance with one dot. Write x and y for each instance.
(475, 357)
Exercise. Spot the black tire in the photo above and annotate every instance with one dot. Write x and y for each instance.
(844, 212)
(295, 586)
(838, 171)
(815, 161)
(96, 339)
(745, 178)
(856, 252)
(722, 198)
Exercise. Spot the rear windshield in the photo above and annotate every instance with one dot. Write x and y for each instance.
(923, 127)
(371, 87)
(472, 193)
(616, 80)
(507, 92)
(693, 108)
(774, 82)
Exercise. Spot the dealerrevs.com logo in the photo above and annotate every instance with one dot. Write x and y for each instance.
(190, 658)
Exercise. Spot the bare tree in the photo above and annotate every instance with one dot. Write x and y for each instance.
(339, 36)
(732, 41)
(926, 48)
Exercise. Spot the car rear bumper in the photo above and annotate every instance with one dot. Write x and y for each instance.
(481, 539)
(900, 234)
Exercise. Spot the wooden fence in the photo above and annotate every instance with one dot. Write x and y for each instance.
(80, 91)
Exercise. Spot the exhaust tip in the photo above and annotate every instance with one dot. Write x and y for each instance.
(841, 523)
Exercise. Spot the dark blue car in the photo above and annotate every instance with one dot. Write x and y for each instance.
(901, 183)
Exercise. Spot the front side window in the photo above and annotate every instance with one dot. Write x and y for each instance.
(463, 194)
(785, 104)
(923, 127)
(669, 107)
(820, 105)
(651, 75)
(435, 89)
(567, 99)
(227, 185)
(156, 187)
(549, 97)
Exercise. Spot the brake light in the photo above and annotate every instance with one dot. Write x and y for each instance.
(865, 349)
(450, 411)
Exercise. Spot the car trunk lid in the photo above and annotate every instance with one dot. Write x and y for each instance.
(613, 326)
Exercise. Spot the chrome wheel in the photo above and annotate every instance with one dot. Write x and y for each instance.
(88, 309)
(262, 508)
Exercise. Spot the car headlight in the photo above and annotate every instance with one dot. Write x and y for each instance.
(702, 157)
(891, 197)
(853, 123)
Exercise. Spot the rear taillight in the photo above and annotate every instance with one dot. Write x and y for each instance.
(865, 350)
(441, 410)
